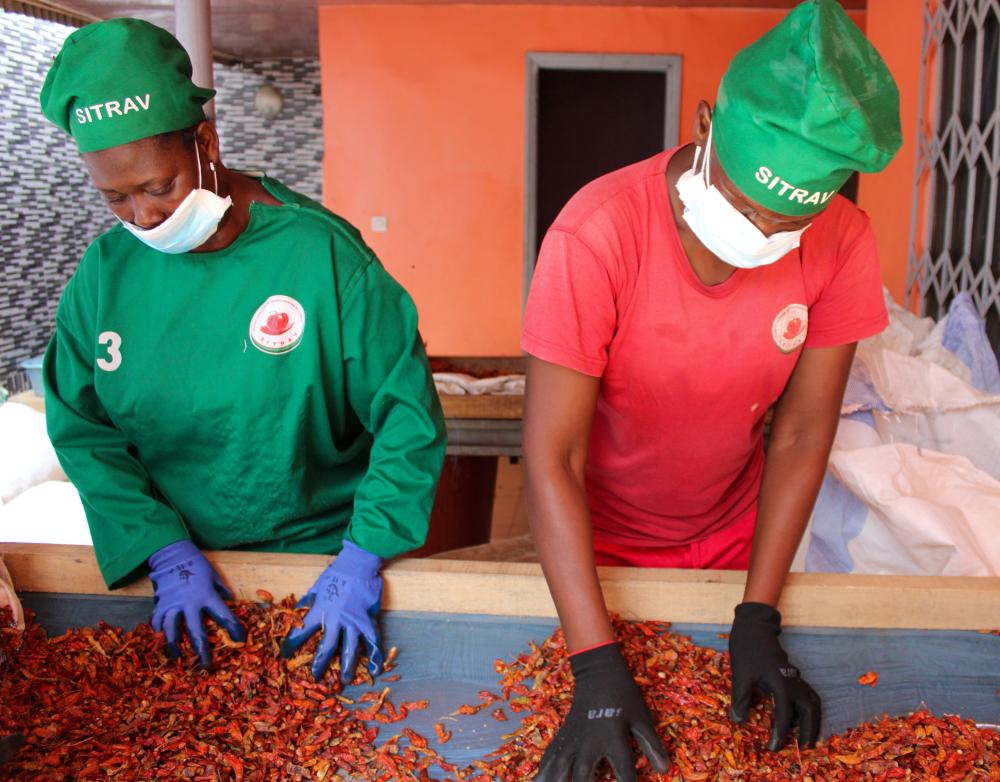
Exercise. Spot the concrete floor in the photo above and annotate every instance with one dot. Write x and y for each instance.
(510, 517)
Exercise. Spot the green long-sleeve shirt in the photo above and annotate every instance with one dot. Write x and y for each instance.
(273, 395)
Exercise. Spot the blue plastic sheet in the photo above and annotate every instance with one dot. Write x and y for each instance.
(448, 659)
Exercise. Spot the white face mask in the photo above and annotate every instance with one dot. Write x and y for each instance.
(726, 233)
(193, 221)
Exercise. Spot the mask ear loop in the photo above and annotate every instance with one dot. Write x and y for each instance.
(197, 157)
(211, 167)
(708, 155)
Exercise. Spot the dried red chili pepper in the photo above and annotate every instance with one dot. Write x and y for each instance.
(687, 688)
(468, 708)
(442, 733)
(415, 738)
(101, 703)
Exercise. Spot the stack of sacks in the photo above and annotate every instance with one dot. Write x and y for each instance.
(914, 479)
(37, 505)
(456, 383)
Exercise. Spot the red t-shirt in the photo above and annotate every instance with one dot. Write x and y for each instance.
(687, 370)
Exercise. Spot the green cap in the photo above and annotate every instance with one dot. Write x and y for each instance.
(119, 81)
(802, 108)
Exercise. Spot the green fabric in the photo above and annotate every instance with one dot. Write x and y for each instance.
(802, 108)
(121, 80)
(198, 433)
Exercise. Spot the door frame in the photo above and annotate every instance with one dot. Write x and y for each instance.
(667, 64)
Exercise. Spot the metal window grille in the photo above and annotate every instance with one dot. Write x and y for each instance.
(955, 229)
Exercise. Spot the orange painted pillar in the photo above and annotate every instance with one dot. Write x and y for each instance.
(895, 27)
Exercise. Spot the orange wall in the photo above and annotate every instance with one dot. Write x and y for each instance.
(423, 110)
(895, 28)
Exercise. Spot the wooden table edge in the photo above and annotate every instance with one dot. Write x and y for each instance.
(519, 589)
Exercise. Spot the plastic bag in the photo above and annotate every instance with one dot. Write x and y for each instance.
(8, 597)
(928, 513)
(930, 407)
(913, 480)
(26, 455)
(456, 383)
(51, 512)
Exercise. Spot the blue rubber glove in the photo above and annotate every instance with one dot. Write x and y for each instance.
(345, 601)
(185, 584)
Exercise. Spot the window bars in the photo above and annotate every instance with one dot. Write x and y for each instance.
(955, 230)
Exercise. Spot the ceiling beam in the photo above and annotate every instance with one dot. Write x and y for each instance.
(64, 14)
(850, 5)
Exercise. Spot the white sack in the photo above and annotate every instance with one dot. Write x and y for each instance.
(912, 384)
(931, 407)
(916, 392)
(837, 514)
(26, 455)
(933, 349)
(905, 332)
(929, 513)
(456, 383)
(48, 513)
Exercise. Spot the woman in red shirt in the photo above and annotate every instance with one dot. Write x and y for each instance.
(674, 302)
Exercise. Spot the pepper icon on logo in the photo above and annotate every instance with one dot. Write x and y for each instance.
(790, 327)
(277, 325)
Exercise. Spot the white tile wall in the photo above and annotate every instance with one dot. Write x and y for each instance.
(49, 213)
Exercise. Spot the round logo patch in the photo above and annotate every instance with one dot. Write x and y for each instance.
(277, 325)
(790, 327)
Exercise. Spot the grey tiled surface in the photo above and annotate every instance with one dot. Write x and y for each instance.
(48, 210)
(49, 213)
(290, 146)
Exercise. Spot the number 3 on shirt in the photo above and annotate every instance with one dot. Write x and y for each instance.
(113, 342)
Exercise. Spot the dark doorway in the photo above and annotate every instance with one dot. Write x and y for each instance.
(590, 123)
(589, 115)
(849, 189)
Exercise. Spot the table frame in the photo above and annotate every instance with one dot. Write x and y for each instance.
(519, 589)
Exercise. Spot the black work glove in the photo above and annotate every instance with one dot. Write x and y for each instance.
(757, 660)
(607, 707)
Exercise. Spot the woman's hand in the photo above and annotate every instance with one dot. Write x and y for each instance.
(186, 585)
(607, 708)
(344, 603)
(757, 660)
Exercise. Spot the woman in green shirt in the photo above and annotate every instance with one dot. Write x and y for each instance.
(232, 367)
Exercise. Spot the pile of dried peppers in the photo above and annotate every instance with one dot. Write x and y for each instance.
(104, 704)
(687, 687)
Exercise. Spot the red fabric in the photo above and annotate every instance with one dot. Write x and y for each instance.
(688, 370)
(727, 549)
(594, 646)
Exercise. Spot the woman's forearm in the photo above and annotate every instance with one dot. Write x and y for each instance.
(559, 406)
(792, 478)
(560, 524)
(805, 424)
